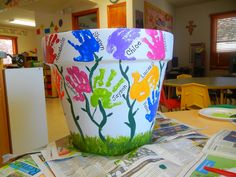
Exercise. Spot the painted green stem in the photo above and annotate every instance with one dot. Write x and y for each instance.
(76, 118)
(91, 71)
(104, 115)
(87, 104)
(131, 124)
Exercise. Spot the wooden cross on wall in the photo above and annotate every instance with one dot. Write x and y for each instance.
(190, 26)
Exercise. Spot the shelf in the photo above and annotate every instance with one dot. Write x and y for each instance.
(49, 86)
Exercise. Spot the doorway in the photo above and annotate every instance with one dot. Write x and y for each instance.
(88, 19)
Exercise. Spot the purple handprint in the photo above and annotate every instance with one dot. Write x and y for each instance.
(152, 105)
(78, 80)
(119, 41)
(88, 45)
(157, 45)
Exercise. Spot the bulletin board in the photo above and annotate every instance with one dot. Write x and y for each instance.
(155, 18)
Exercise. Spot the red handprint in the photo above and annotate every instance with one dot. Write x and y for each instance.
(50, 55)
(57, 80)
(78, 80)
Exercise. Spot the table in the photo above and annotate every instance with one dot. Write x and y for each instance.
(208, 126)
(217, 83)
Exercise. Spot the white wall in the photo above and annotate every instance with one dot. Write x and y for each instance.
(200, 15)
(25, 37)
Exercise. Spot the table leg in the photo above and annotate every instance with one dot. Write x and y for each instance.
(221, 96)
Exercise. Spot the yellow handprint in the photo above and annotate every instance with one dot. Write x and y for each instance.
(140, 90)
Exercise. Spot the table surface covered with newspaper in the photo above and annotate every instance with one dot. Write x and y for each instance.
(176, 150)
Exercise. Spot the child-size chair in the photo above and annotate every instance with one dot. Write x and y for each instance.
(180, 76)
(169, 103)
(194, 96)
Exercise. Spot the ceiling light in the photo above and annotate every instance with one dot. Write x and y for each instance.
(23, 22)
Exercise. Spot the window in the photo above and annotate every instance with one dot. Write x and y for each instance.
(8, 44)
(223, 39)
(88, 19)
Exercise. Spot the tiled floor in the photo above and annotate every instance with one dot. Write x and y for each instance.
(57, 126)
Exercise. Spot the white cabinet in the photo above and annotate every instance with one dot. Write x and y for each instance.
(26, 108)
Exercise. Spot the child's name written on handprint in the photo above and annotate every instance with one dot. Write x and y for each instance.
(147, 70)
(62, 41)
(119, 93)
(96, 36)
(133, 48)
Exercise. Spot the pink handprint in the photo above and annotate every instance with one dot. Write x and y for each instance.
(78, 80)
(50, 54)
(157, 46)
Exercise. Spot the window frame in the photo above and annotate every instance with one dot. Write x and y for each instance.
(14, 42)
(214, 59)
(76, 15)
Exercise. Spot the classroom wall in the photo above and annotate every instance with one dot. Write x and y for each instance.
(200, 15)
(25, 37)
(43, 20)
(162, 4)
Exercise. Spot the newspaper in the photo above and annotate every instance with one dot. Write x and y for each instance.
(165, 159)
(60, 149)
(23, 167)
(42, 164)
(218, 153)
(166, 129)
(175, 145)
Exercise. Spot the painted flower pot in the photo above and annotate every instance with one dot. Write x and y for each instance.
(109, 82)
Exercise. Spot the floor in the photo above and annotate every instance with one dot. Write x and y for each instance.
(57, 126)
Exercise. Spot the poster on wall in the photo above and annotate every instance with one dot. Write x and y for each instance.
(155, 18)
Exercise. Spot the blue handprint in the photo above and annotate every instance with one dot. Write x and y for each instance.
(152, 105)
(88, 45)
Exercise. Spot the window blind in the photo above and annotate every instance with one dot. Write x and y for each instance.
(226, 35)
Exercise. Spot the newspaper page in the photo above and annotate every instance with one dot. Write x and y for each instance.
(23, 167)
(42, 164)
(168, 155)
(167, 129)
(219, 153)
(153, 160)
(60, 149)
(222, 144)
(85, 165)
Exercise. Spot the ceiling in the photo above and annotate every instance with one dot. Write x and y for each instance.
(25, 9)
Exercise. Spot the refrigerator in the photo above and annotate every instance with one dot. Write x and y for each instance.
(26, 109)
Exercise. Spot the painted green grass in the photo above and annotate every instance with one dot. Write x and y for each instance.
(112, 146)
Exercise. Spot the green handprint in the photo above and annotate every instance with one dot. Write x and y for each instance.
(102, 93)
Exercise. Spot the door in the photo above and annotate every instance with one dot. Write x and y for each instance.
(116, 15)
(4, 130)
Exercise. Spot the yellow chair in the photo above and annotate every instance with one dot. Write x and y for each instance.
(180, 76)
(184, 76)
(194, 96)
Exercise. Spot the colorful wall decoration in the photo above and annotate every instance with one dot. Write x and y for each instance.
(52, 28)
(14, 31)
(155, 18)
